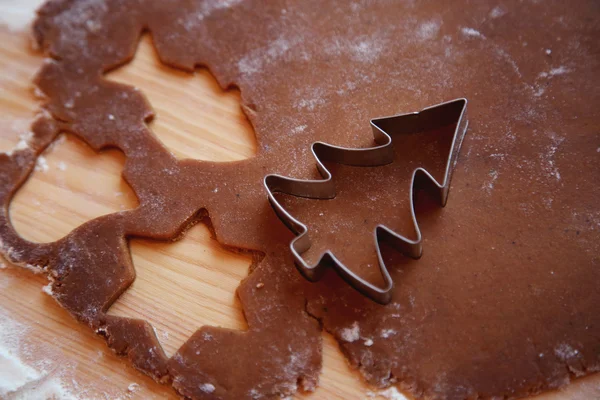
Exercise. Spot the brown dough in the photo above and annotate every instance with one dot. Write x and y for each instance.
(504, 301)
(369, 196)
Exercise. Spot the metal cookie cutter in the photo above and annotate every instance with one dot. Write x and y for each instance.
(432, 117)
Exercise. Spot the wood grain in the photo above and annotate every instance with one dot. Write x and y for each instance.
(194, 117)
(180, 286)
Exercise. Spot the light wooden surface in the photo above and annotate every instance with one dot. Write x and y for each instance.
(180, 286)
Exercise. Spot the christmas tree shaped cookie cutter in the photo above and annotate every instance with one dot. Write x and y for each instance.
(382, 153)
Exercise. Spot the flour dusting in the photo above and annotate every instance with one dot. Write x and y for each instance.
(309, 98)
(390, 393)
(351, 334)
(386, 333)
(554, 72)
(368, 49)
(18, 14)
(259, 58)
(13, 373)
(497, 12)
(365, 49)
(41, 164)
(565, 352)
(44, 388)
(23, 143)
(489, 185)
(558, 71)
(299, 129)
(207, 388)
(47, 289)
(428, 30)
(548, 161)
(507, 57)
(133, 387)
(18, 380)
(208, 7)
(33, 370)
(472, 32)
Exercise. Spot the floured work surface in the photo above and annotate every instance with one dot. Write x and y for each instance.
(503, 301)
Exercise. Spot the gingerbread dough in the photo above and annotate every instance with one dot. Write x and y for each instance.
(504, 301)
(369, 196)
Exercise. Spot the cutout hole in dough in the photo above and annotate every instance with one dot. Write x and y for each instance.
(71, 184)
(183, 285)
(18, 103)
(194, 118)
(18, 65)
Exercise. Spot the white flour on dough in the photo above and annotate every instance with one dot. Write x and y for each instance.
(390, 393)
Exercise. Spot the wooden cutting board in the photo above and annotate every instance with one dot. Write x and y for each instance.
(180, 286)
